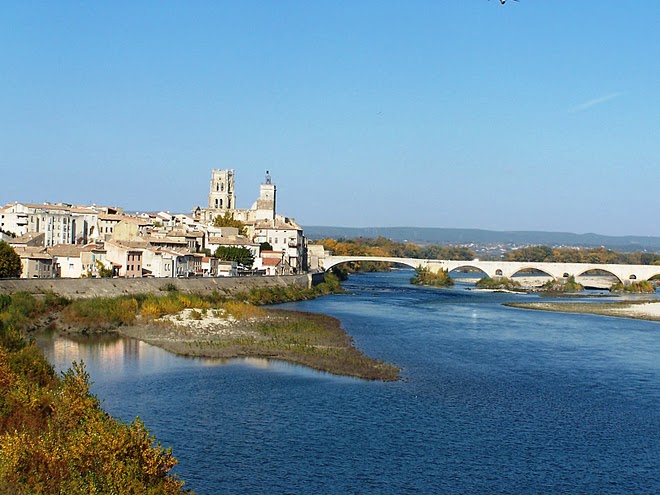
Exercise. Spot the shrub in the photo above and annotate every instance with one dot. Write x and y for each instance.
(424, 276)
(195, 315)
(242, 310)
(501, 283)
(634, 287)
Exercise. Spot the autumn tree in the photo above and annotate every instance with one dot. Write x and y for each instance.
(228, 220)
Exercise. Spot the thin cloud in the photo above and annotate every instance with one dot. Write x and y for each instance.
(592, 103)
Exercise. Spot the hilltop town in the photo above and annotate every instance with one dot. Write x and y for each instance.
(78, 241)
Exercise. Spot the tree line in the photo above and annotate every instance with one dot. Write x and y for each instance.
(381, 246)
(599, 255)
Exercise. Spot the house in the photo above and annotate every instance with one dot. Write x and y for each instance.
(159, 262)
(126, 258)
(14, 218)
(285, 237)
(67, 262)
(35, 263)
(227, 269)
(132, 228)
(30, 239)
(273, 263)
(61, 223)
(176, 263)
(107, 224)
(93, 257)
(209, 266)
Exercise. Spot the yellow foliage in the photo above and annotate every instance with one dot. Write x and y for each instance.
(242, 311)
(55, 438)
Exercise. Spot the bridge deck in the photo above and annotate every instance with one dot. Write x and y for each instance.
(625, 273)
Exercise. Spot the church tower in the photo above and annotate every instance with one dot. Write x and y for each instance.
(265, 205)
(222, 195)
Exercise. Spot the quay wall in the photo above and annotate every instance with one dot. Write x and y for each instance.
(79, 288)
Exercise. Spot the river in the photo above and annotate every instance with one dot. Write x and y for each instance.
(494, 400)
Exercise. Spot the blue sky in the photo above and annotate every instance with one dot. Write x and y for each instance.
(536, 115)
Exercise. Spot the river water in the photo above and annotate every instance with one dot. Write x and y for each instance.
(494, 400)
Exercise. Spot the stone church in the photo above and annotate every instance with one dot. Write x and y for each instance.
(262, 221)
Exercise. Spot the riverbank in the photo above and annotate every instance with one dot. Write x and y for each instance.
(313, 340)
(641, 310)
(214, 325)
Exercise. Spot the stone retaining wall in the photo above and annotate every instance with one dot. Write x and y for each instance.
(110, 287)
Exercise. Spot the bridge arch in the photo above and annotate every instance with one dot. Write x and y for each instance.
(353, 259)
(592, 269)
(474, 269)
(536, 271)
(467, 272)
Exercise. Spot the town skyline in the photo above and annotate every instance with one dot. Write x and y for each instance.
(517, 117)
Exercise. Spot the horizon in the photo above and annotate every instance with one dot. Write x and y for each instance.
(483, 230)
(521, 117)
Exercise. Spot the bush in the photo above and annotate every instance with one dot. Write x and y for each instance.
(569, 285)
(500, 283)
(424, 276)
(634, 287)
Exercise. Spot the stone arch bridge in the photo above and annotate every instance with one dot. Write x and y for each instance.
(494, 269)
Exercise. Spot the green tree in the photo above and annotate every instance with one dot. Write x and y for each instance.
(424, 276)
(241, 255)
(228, 220)
(103, 271)
(10, 262)
(531, 253)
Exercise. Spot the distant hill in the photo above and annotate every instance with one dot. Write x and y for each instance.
(422, 235)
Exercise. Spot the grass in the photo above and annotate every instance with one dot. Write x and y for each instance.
(313, 340)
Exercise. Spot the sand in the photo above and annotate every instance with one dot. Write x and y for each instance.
(641, 310)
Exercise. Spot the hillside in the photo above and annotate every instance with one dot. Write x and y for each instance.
(423, 235)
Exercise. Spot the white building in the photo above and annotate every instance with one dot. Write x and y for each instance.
(67, 261)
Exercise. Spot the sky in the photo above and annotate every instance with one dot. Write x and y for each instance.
(533, 115)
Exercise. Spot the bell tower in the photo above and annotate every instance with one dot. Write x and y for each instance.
(222, 195)
(265, 205)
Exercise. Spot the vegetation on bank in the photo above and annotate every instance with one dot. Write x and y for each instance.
(313, 340)
(568, 285)
(55, 438)
(25, 312)
(424, 276)
(316, 341)
(499, 283)
(634, 287)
